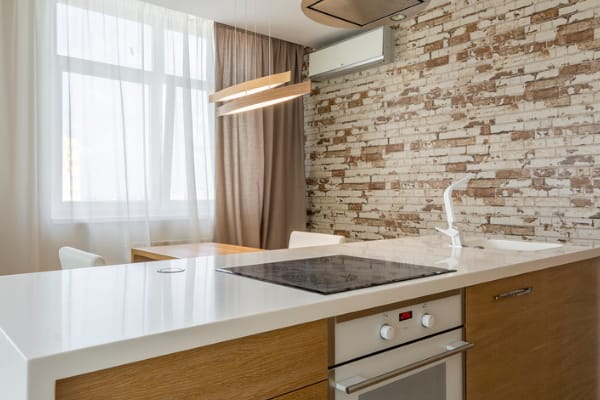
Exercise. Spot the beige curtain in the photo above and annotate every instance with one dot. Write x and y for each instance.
(260, 187)
(20, 243)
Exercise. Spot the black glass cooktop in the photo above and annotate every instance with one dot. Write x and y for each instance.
(334, 274)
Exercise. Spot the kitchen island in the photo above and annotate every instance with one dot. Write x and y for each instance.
(62, 324)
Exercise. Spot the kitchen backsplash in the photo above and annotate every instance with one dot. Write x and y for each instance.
(508, 90)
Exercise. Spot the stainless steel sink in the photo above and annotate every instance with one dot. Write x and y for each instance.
(511, 245)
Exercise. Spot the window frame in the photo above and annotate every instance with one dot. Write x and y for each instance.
(158, 205)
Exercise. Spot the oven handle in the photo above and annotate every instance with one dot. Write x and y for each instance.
(455, 348)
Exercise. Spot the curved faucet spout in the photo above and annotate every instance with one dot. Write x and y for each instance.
(449, 208)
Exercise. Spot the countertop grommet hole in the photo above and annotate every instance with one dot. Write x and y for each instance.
(170, 270)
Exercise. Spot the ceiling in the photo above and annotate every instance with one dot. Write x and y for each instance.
(288, 22)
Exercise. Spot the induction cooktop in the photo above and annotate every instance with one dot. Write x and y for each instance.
(334, 274)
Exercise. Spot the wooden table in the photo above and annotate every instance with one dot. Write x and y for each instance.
(154, 253)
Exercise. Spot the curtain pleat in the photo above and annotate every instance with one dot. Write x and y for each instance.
(260, 183)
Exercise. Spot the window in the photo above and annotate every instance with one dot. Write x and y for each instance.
(136, 130)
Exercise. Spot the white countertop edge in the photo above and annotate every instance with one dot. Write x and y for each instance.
(156, 345)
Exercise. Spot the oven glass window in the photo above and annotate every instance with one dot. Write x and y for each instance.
(429, 384)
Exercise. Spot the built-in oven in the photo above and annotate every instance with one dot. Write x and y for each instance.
(410, 351)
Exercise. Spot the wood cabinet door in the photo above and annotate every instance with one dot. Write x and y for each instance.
(572, 332)
(257, 367)
(505, 362)
(539, 345)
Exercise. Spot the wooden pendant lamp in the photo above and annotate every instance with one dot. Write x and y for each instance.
(251, 87)
(258, 93)
(264, 99)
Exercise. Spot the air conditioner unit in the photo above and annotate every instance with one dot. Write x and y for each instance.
(360, 52)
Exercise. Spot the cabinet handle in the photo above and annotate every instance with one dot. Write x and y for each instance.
(513, 293)
(361, 383)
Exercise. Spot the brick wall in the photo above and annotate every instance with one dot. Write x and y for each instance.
(506, 89)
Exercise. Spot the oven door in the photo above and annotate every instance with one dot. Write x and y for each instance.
(429, 369)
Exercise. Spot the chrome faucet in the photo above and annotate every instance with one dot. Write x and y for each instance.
(452, 231)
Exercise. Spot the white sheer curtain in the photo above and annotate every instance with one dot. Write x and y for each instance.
(111, 142)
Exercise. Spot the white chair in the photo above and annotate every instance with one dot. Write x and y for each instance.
(74, 258)
(309, 239)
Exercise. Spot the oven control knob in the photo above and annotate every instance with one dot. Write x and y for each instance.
(428, 321)
(387, 332)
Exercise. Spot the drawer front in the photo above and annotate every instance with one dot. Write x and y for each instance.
(256, 367)
(496, 301)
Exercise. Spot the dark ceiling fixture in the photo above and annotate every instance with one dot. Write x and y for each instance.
(358, 14)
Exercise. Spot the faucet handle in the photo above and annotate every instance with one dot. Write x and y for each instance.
(449, 232)
(454, 235)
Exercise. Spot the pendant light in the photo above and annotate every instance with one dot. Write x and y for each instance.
(251, 87)
(260, 92)
(264, 99)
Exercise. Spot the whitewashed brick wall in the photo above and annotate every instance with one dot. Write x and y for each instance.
(508, 90)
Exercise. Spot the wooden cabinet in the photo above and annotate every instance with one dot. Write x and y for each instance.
(289, 362)
(541, 344)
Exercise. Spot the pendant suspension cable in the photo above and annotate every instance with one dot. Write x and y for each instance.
(269, 60)
(256, 49)
(245, 40)
(235, 81)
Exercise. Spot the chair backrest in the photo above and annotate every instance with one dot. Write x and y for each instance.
(308, 239)
(74, 258)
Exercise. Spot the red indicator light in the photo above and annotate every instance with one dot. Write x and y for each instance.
(405, 315)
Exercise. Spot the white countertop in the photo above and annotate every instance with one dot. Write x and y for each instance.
(64, 323)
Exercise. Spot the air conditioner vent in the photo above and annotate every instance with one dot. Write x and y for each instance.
(360, 52)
